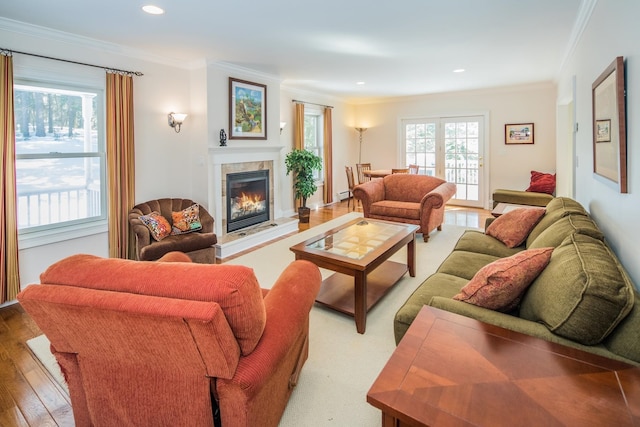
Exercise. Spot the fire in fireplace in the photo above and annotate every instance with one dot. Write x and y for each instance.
(248, 199)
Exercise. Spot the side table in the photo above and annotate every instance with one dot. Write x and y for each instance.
(452, 370)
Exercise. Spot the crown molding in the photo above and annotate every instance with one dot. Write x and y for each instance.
(584, 15)
(36, 31)
(243, 70)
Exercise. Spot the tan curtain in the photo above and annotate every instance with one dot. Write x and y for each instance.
(120, 163)
(298, 130)
(328, 157)
(10, 276)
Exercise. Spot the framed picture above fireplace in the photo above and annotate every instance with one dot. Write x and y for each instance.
(247, 110)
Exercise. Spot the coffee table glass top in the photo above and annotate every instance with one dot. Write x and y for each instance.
(358, 239)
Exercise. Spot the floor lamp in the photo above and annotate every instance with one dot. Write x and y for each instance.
(360, 131)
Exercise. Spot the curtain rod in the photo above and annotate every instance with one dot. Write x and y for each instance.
(108, 69)
(311, 103)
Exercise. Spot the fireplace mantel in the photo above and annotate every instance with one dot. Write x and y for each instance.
(219, 156)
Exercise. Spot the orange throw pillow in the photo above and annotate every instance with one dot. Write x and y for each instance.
(514, 227)
(501, 284)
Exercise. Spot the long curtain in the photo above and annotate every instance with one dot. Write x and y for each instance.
(120, 163)
(298, 127)
(9, 276)
(328, 157)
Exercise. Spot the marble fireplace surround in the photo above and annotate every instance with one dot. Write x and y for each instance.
(232, 159)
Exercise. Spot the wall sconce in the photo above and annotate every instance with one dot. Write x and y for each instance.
(282, 125)
(175, 120)
(360, 131)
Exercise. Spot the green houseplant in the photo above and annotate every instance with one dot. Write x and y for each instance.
(302, 163)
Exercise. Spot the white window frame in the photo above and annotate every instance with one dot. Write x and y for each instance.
(72, 229)
(318, 147)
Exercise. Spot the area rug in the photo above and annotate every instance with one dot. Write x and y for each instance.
(342, 364)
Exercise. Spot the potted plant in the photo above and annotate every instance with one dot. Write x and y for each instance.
(302, 163)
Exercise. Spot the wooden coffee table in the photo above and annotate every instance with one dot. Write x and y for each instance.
(452, 370)
(358, 252)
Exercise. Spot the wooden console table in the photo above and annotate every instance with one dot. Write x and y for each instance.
(452, 370)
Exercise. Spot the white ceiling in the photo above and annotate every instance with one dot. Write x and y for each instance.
(398, 48)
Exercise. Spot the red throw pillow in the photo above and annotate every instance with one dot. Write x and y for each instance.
(542, 183)
(501, 284)
(514, 227)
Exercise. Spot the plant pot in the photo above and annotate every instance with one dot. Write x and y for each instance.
(304, 214)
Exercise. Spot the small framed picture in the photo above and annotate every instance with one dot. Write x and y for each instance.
(247, 110)
(518, 133)
(603, 130)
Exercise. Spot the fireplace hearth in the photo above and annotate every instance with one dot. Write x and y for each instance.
(248, 199)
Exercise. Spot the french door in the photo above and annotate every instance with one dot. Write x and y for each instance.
(450, 148)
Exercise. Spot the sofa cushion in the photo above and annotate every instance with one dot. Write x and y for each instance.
(477, 241)
(555, 234)
(233, 287)
(519, 197)
(499, 285)
(409, 187)
(465, 264)
(556, 209)
(186, 220)
(438, 284)
(513, 227)
(182, 243)
(624, 339)
(158, 225)
(582, 294)
(397, 209)
(542, 182)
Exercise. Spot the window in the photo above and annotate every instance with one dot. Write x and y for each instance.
(313, 138)
(60, 158)
(450, 148)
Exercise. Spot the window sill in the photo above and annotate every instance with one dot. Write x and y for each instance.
(47, 237)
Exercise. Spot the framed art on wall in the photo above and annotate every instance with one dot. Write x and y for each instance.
(247, 110)
(518, 133)
(609, 125)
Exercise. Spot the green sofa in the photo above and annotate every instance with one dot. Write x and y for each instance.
(519, 197)
(583, 298)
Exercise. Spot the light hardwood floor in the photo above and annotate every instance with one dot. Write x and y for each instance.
(29, 396)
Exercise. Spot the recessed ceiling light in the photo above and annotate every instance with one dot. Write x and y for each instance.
(153, 10)
(459, 70)
(359, 83)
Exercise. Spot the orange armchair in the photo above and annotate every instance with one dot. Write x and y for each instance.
(174, 343)
(408, 198)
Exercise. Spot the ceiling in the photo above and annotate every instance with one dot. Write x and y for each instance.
(404, 48)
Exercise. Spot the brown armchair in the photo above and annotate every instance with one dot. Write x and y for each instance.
(408, 198)
(174, 343)
(198, 245)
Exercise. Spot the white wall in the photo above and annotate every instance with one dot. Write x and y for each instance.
(164, 160)
(509, 165)
(611, 31)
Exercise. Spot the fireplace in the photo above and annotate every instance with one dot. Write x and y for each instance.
(248, 199)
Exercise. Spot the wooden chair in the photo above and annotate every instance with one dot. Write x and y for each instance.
(360, 167)
(352, 184)
(400, 170)
(414, 169)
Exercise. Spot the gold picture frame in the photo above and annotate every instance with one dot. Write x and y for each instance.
(247, 110)
(518, 133)
(609, 124)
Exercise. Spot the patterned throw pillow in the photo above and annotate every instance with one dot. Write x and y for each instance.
(187, 220)
(513, 227)
(542, 182)
(500, 285)
(157, 225)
